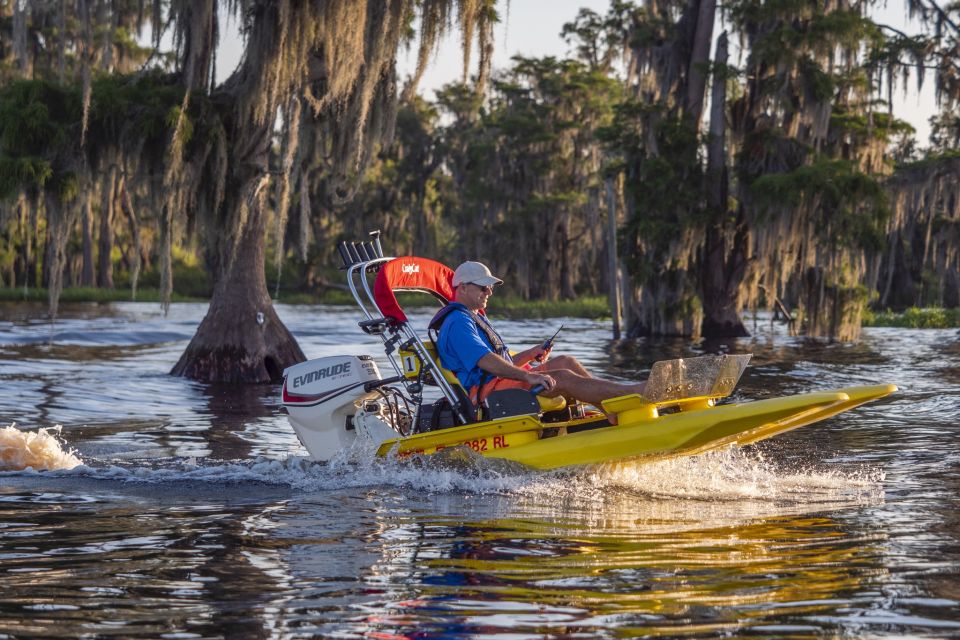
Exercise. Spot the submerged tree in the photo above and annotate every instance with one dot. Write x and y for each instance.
(338, 60)
(788, 201)
(921, 263)
(656, 134)
(319, 70)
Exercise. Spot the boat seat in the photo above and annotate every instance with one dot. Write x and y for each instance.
(411, 370)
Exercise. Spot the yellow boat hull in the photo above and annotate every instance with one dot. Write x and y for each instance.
(641, 433)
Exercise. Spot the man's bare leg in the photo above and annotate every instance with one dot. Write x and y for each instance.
(565, 362)
(590, 390)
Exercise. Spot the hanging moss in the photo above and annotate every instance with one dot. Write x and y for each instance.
(785, 30)
(852, 206)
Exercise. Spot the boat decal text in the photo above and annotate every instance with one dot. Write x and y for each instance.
(339, 370)
(477, 444)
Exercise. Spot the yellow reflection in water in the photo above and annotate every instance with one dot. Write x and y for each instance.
(603, 557)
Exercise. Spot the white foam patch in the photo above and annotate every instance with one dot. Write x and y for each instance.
(737, 474)
(38, 450)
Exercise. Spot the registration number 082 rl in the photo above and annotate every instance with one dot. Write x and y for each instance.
(484, 444)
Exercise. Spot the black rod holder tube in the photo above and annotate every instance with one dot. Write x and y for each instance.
(344, 255)
(376, 242)
(352, 247)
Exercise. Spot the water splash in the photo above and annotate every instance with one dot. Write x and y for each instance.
(38, 450)
(737, 474)
(732, 479)
(724, 476)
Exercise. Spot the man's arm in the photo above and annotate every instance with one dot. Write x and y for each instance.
(533, 353)
(492, 363)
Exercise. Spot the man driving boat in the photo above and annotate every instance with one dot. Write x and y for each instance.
(469, 346)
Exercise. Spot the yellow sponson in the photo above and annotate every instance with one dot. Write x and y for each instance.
(482, 437)
(685, 432)
(635, 407)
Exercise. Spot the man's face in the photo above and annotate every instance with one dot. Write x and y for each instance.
(474, 296)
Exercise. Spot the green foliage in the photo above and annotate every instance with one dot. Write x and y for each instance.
(38, 118)
(650, 30)
(595, 307)
(930, 161)
(665, 183)
(914, 318)
(819, 84)
(68, 186)
(189, 280)
(876, 125)
(39, 123)
(150, 101)
(800, 27)
(16, 173)
(852, 205)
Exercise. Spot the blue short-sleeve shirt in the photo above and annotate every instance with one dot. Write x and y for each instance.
(460, 346)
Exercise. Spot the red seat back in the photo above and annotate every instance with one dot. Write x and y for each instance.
(409, 273)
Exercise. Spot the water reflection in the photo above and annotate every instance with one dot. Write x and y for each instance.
(656, 567)
(194, 516)
(106, 565)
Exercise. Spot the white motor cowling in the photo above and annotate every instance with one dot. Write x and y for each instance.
(322, 395)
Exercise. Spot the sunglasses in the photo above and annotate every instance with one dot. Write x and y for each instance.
(483, 287)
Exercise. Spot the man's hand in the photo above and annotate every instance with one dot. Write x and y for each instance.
(540, 354)
(537, 354)
(498, 366)
(545, 381)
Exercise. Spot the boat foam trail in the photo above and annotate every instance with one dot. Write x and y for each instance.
(726, 475)
(39, 450)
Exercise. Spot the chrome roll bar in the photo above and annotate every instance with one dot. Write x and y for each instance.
(361, 270)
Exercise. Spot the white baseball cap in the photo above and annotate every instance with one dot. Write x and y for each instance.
(475, 273)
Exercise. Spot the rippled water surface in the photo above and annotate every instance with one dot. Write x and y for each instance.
(195, 512)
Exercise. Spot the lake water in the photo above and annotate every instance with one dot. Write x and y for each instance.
(195, 512)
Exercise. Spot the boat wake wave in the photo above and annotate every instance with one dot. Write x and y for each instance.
(737, 474)
(724, 476)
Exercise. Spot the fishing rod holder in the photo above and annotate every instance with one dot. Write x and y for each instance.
(353, 253)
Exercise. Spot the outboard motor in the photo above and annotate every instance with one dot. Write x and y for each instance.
(322, 397)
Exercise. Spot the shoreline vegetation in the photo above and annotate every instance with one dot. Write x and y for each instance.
(592, 307)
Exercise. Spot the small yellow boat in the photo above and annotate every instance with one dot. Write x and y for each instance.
(693, 427)
(334, 403)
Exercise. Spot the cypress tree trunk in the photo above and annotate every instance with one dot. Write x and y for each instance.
(86, 274)
(830, 310)
(721, 272)
(241, 339)
(722, 275)
(105, 264)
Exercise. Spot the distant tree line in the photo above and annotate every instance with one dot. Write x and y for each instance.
(690, 175)
(798, 186)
